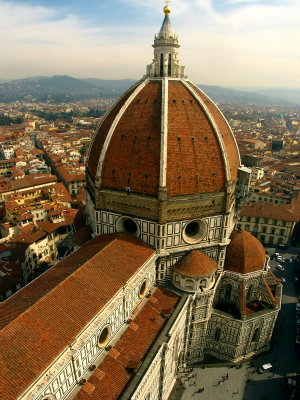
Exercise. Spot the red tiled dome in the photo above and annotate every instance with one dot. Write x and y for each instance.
(245, 253)
(196, 264)
(197, 153)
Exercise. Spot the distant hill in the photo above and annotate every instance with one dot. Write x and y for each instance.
(291, 95)
(218, 93)
(63, 88)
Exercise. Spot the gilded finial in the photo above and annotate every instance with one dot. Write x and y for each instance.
(166, 8)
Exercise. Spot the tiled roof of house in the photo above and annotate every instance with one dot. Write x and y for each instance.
(113, 374)
(195, 263)
(267, 210)
(245, 253)
(44, 317)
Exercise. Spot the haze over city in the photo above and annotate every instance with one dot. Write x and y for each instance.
(237, 43)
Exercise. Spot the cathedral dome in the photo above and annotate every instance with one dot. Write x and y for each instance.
(194, 271)
(196, 264)
(164, 133)
(164, 140)
(245, 253)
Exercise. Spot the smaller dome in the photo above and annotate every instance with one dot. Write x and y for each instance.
(245, 253)
(196, 264)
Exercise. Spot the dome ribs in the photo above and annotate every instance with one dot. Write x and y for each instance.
(134, 150)
(143, 144)
(101, 134)
(227, 135)
(196, 156)
(245, 253)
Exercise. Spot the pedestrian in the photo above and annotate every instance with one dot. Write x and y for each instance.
(227, 376)
(194, 383)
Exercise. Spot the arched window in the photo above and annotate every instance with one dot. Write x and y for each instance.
(217, 334)
(228, 290)
(189, 284)
(203, 283)
(161, 64)
(169, 65)
(249, 292)
(255, 336)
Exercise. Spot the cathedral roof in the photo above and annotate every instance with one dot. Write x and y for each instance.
(47, 315)
(245, 253)
(196, 264)
(113, 374)
(164, 133)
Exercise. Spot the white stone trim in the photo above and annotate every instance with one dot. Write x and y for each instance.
(164, 134)
(225, 120)
(103, 119)
(215, 127)
(139, 86)
(234, 139)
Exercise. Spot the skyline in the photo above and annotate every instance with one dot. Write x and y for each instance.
(242, 42)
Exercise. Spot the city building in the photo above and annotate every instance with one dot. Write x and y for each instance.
(166, 280)
(271, 224)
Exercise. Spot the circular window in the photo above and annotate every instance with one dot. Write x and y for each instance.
(194, 231)
(104, 336)
(130, 226)
(143, 288)
(126, 224)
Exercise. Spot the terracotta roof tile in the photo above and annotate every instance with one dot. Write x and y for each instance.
(245, 253)
(39, 321)
(193, 148)
(101, 134)
(118, 371)
(88, 388)
(267, 210)
(133, 155)
(196, 263)
(195, 163)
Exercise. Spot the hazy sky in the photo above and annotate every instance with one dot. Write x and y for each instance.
(223, 42)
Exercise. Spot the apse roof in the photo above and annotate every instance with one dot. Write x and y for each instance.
(245, 253)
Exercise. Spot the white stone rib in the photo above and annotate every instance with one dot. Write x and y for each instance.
(103, 119)
(114, 124)
(225, 120)
(215, 126)
(164, 134)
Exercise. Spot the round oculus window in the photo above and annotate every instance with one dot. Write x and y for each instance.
(130, 226)
(194, 231)
(143, 289)
(104, 336)
(126, 224)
